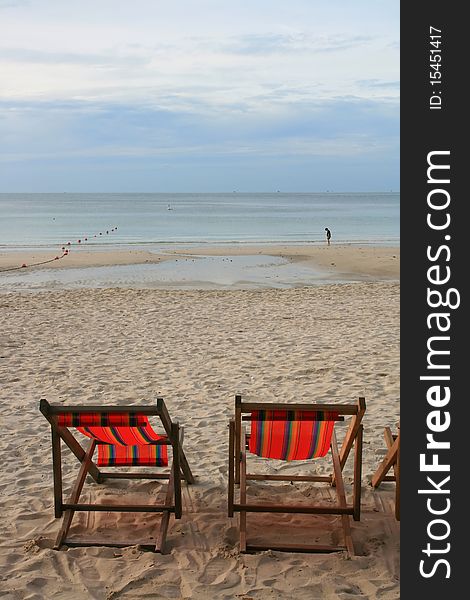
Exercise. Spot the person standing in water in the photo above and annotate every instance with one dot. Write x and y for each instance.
(328, 235)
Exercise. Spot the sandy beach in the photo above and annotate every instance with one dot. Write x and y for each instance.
(197, 348)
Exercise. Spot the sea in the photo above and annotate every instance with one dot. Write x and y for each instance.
(162, 222)
(49, 220)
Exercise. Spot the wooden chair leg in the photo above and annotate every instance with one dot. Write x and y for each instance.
(390, 461)
(397, 488)
(176, 469)
(243, 493)
(231, 467)
(341, 494)
(57, 473)
(357, 474)
(171, 494)
(238, 433)
(161, 539)
(75, 495)
(387, 463)
(184, 465)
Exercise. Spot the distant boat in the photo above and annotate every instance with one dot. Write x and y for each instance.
(169, 207)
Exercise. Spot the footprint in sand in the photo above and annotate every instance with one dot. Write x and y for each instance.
(219, 571)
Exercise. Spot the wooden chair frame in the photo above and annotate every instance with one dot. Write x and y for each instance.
(390, 461)
(178, 469)
(238, 474)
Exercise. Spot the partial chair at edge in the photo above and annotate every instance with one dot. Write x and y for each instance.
(124, 438)
(295, 432)
(391, 461)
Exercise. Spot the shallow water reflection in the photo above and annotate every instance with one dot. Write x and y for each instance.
(185, 272)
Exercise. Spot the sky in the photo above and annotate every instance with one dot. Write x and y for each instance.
(199, 95)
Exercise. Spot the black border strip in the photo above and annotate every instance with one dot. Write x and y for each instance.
(434, 260)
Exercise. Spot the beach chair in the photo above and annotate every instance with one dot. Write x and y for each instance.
(391, 461)
(124, 438)
(292, 432)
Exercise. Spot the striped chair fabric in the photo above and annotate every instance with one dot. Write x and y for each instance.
(124, 439)
(291, 434)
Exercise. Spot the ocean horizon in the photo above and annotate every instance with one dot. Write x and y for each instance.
(45, 220)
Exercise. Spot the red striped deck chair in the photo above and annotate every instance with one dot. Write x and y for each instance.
(390, 461)
(123, 437)
(295, 432)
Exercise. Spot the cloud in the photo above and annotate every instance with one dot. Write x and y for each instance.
(275, 43)
(340, 127)
(379, 84)
(13, 3)
(35, 57)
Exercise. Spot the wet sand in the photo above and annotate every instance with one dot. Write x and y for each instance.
(201, 267)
